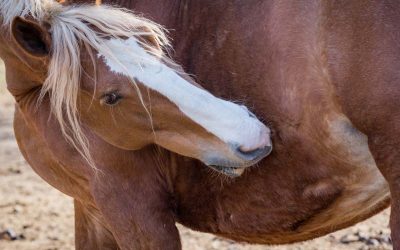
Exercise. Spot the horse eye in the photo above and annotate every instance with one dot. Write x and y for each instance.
(111, 98)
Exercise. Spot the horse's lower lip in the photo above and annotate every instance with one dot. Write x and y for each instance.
(229, 171)
(236, 169)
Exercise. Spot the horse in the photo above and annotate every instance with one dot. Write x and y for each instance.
(320, 74)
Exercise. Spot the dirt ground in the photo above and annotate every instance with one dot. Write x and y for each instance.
(38, 217)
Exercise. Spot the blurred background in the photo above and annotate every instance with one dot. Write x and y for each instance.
(35, 216)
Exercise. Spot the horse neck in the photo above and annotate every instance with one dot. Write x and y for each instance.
(162, 12)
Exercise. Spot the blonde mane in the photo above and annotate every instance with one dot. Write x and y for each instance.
(71, 28)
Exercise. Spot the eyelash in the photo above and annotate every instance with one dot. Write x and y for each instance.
(111, 99)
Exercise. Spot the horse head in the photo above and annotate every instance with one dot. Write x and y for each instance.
(107, 70)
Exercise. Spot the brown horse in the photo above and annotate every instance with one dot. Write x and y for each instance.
(322, 73)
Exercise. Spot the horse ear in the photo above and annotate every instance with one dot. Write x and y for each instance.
(151, 41)
(34, 39)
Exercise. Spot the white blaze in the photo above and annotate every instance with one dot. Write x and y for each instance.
(228, 121)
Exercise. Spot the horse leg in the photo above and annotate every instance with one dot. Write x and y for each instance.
(385, 149)
(90, 232)
(137, 211)
(144, 228)
(395, 214)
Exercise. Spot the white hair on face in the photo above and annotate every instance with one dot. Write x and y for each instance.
(12, 8)
(71, 28)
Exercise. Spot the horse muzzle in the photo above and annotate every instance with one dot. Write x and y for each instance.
(242, 160)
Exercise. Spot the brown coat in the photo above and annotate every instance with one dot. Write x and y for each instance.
(323, 74)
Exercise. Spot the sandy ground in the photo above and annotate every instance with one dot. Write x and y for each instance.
(39, 217)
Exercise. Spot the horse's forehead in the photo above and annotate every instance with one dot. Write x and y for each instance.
(96, 76)
(129, 52)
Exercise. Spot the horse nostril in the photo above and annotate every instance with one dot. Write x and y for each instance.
(268, 149)
(251, 115)
(255, 153)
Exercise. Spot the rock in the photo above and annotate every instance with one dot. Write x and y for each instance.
(17, 209)
(386, 239)
(372, 242)
(216, 244)
(9, 234)
(349, 238)
(362, 236)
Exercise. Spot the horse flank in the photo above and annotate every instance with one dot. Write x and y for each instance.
(72, 27)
